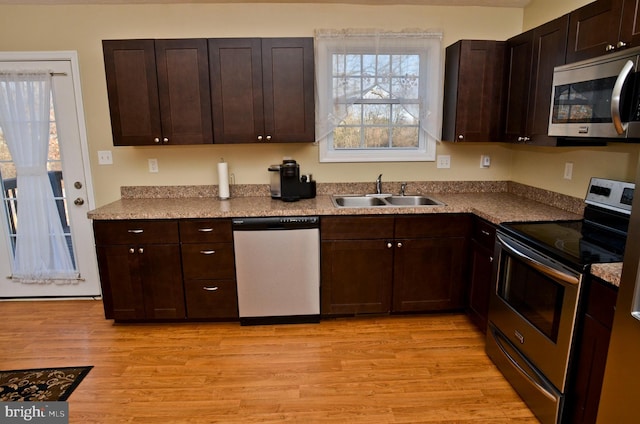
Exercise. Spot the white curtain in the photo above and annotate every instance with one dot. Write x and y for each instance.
(42, 254)
(336, 95)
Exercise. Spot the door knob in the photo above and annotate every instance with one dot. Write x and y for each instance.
(79, 201)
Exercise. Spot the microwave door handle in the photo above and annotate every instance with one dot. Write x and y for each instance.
(554, 273)
(615, 97)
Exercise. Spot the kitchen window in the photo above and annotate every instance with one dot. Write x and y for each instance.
(378, 95)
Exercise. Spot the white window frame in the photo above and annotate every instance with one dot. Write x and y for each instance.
(426, 44)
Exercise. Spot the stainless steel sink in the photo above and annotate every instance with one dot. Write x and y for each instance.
(412, 201)
(357, 201)
(378, 201)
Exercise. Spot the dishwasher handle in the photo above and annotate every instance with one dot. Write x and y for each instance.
(275, 223)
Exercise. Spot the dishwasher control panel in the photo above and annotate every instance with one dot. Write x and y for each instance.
(275, 223)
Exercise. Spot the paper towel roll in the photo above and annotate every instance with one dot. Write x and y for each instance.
(223, 180)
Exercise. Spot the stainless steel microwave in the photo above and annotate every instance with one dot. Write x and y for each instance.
(597, 98)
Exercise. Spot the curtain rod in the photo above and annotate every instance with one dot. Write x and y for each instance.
(53, 74)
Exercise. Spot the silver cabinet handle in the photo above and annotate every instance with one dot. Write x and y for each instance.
(615, 97)
(399, 244)
(259, 138)
(210, 288)
(389, 245)
(136, 231)
(205, 230)
(609, 48)
(132, 250)
(621, 45)
(485, 232)
(141, 250)
(156, 140)
(165, 140)
(490, 258)
(207, 252)
(460, 137)
(268, 138)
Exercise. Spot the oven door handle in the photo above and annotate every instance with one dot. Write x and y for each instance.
(615, 97)
(545, 269)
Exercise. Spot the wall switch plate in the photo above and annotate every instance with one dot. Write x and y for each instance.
(485, 161)
(153, 165)
(443, 161)
(104, 157)
(568, 170)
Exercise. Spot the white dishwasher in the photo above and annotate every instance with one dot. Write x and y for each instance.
(277, 269)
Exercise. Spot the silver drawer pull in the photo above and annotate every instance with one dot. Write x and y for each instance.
(486, 233)
(205, 230)
(136, 231)
(210, 288)
(207, 252)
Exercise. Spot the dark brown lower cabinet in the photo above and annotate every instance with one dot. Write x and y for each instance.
(480, 268)
(393, 264)
(140, 281)
(593, 335)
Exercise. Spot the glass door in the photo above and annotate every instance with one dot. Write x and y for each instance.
(69, 175)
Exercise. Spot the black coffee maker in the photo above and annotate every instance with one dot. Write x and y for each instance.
(288, 185)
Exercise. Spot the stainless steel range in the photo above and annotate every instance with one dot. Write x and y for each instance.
(538, 279)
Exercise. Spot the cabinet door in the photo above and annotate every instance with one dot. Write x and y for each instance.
(428, 274)
(630, 24)
(472, 86)
(141, 282)
(356, 277)
(480, 285)
(183, 91)
(288, 87)
(519, 50)
(132, 86)
(161, 275)
(590, 366)
(549, 48)
(122, 293)
(592, 28)
(236, 89)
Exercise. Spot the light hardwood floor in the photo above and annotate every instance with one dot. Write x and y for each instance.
(399, 369)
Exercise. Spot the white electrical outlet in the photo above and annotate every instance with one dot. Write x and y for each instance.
(485, 161)
(104, 157)
(443, 161)
(568, 170)
(153, 165)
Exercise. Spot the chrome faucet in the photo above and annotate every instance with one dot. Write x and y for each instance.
(403, 187)
(379, 184)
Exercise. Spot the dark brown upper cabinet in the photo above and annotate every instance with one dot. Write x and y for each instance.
(601, 27)
(262, 90)
(158, 91)
(472, 90)
(531, 57)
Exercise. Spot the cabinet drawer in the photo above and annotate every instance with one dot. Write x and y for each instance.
(203, 230)
(356, 228)
(484, 233)
(211, 299)
(208, 261)
(436, 225)
(136, 232)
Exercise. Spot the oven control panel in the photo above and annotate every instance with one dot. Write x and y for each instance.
(611, 194)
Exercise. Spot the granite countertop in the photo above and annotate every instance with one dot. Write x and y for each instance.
(496, 202)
